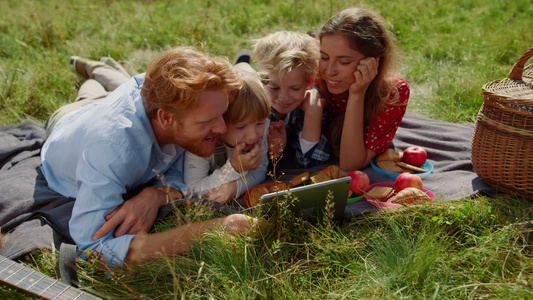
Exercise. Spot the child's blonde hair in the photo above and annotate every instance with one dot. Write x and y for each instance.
(284, 50)
(248, 103)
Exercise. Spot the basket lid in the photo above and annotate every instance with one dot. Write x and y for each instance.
(518, 87)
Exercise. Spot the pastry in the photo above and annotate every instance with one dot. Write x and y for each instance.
(319, 177)
(410, 195)
(299, 179)
(255, 194)
(390, 155)
(278, 187)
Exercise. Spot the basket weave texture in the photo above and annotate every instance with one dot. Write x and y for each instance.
(502, 144)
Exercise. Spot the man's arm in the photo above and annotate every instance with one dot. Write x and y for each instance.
(176, 241)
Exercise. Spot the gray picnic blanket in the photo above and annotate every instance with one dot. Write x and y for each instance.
(27, 205)
(34, 217)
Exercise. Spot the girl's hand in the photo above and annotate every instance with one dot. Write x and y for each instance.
(242, 162)
(364, 74)
(224, 193)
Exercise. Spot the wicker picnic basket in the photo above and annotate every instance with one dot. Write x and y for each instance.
(502, 144)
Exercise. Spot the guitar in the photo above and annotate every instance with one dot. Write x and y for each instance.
(37, 284)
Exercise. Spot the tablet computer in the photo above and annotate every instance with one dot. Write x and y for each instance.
(308, 202)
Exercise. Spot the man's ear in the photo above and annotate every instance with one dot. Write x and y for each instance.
(165, 118)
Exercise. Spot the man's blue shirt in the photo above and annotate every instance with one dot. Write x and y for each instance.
(99, 153)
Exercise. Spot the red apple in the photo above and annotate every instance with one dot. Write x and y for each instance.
(359, 182)
(415, 156)
(405, 180)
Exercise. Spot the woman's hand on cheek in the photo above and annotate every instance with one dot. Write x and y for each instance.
(364, 74)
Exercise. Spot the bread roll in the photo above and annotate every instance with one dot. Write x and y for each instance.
(278, 187)
(319, 177)
(255, 194)
(299, 179)
(410, 195)
(390, 155)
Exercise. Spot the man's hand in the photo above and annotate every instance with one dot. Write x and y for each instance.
(223, 193)
(245, 161)
(137, 215)
(176, 241)
(237, 223)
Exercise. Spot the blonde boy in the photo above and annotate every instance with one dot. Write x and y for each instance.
(287, 63)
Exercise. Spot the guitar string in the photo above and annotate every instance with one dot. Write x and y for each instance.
(35, 283)
(62, 292)
(2, 271)
(24, 278)
(42, 292)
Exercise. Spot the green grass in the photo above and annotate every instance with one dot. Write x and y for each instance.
(451, 48)
(469, 249)
(480, 248)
